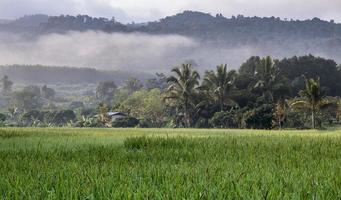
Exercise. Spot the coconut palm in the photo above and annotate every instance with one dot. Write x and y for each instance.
(311, 100)
(218, 85)
(266, 73)
(183, 88)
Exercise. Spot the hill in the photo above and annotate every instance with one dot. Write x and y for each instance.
(221, 39)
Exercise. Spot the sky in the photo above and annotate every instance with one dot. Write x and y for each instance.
(151, 10)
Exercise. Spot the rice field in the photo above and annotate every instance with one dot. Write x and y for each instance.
(68, 163)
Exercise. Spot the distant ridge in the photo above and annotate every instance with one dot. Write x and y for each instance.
(262, 35)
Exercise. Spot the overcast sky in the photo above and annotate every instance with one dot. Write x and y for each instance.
(150, 10)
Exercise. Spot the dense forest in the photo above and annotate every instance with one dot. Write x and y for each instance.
(187, 23)
(264, 93)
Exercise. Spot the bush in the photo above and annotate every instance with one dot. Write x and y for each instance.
(2, 119)
(295, 120)
(145, 123)
(126, 122)
(64, 116)
(259, 118)
(202, 123)
(88, 122)
(224, 120)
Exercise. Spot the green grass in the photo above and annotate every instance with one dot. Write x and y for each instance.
(61, 163)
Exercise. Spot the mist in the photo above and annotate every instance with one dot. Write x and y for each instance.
(96, 49)
(134, 51)
(139, 52)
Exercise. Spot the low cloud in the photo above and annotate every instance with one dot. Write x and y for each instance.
(139, 52)
(97, 49)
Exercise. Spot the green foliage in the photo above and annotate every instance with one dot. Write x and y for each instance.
(48, 118)
(225, 120)
(88, 122)
(311, 100)
(64, 116)
(147, 105)
(259, 118)
(103, 117)
(218, 85)
(2, 117)
(312, 67)
(255, 93)
(126, 122)
(32, 116)
(182, 90)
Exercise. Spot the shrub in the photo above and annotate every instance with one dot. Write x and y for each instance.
(126, 122)
(2, 117)
(259, 118)
(64, 116)
(202, 123)
(224, 120)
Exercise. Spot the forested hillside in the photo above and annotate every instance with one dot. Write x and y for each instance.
(217, 34)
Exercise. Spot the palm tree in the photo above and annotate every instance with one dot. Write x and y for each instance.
(266, 73)
(219, 85)
(183, 88)
(311, 100)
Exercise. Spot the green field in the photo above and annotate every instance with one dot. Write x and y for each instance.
(169, 164)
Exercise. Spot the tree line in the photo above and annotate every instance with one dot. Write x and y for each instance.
(264, 93)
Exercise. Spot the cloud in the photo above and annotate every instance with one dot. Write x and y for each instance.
(97, 49)
(142, 52)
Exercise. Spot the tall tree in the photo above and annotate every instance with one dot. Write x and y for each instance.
(311, 100)
(183, 88)
(266, 74)
(219, 85)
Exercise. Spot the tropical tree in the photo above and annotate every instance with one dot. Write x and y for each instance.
(280, 113)
(266, 74)
(311, 100)
(219, 85)
(145, 105)
(182, 89)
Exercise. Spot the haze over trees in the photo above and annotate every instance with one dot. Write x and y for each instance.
(237, 36)
(261, 94)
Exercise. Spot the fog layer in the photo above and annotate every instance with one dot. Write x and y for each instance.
(139, 52)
